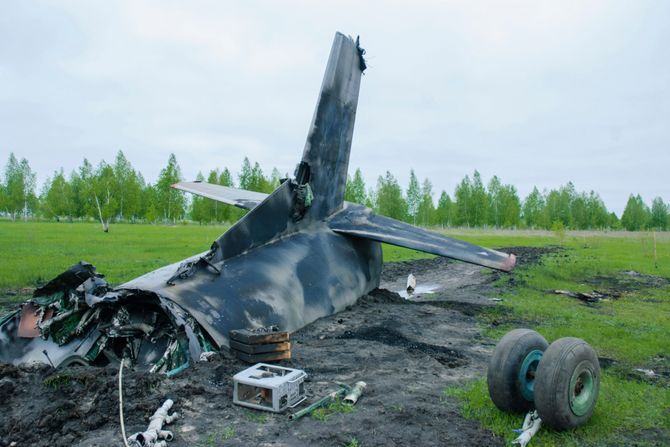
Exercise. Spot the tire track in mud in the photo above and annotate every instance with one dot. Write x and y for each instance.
(451, 358)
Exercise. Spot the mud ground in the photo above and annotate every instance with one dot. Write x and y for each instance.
(407, 351)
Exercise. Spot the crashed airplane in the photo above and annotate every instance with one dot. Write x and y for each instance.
(299, 254)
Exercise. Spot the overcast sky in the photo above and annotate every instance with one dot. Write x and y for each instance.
(538, 93)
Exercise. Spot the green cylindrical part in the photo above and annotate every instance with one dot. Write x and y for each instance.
(355, 393)
(318, 404)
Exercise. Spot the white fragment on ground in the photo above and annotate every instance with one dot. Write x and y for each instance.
(205, 356)
(531, 425)
(646, 372)
(411, 283)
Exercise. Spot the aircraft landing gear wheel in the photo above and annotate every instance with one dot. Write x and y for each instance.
(567, 385)
(512, 370)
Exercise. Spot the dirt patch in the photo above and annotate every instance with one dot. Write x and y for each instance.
(608, 287)
(382, 334)
(395, 270)
(381, 296)
(655, 372)
(645, 437)
(527, 256)
(47, 407)
(439, 279)
(627, 282)
(407, 351)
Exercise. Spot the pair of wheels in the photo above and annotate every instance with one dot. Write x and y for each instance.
(561, 381)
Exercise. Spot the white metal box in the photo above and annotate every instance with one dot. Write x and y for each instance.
(269, 387)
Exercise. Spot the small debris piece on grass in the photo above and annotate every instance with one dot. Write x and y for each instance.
(647, 372)
(356, 392)
(592, 297)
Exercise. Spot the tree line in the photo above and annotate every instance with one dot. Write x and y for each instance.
(117, 192)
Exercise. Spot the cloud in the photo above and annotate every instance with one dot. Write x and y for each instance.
(535, 92)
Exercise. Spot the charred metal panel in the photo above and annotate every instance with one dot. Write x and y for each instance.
(261, 225)
(288, 283)
(240, 198)
(359, 221)
(329, 140)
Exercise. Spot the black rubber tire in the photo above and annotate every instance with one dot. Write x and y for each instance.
(504, 367)
(556, 395)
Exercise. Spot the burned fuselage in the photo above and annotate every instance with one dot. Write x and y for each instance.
(301, 253)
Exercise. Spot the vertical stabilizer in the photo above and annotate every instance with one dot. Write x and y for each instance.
(329, 140)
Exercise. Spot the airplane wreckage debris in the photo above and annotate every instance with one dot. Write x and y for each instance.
(299, 254)
(77, 319)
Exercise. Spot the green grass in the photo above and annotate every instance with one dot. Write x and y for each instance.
(228, 433)
(37, 251)
(58, 381)
(633, 330)
(215, 438)
(257, 416)
(625, 408)
(395, 254)
(322, 414)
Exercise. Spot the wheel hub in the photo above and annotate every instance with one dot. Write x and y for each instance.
(527, 374)
(581, 390)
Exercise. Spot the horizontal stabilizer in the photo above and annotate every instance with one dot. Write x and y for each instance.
(240, 198)
(362, 222)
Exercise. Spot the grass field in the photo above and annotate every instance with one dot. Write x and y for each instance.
(633, 331)
(37, 251)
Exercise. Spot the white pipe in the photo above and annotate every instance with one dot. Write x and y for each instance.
(154, 434)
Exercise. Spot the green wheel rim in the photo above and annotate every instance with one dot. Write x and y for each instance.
(527, 374)
(582, 389)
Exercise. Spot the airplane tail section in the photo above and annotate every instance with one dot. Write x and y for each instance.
(317, 191)
(326, 156)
